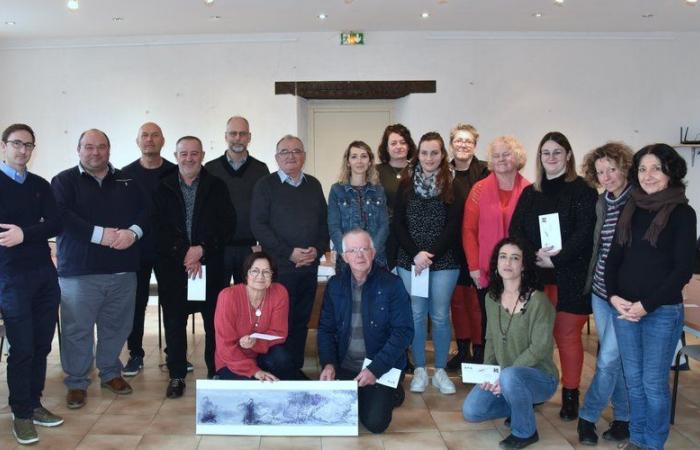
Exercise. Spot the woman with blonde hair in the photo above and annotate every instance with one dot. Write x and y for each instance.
(357, 200)
(487, 214)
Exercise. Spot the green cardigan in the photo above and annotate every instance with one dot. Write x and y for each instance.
(529, 341)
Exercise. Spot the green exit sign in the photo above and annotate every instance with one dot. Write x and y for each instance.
(352, 38)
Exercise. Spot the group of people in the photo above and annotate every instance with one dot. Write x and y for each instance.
(473, 226)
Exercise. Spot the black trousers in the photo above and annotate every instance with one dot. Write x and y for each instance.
(301, 287)
(277, 361)
(375, 403)
(29, 305)
(143, 286)
(233, 262)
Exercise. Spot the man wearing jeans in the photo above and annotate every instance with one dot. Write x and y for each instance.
(29, 293)
(103, 215)
(366, 313)
(289, 218)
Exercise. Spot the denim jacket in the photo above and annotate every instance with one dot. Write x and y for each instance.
(344, 215)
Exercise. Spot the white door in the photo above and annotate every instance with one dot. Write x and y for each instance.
(333, 124)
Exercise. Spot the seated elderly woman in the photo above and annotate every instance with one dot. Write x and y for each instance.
(259, 305)
(519, 339)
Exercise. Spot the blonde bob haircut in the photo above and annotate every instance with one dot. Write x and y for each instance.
(345, 174)
(616, 152)
(469, 128)
(514, 145)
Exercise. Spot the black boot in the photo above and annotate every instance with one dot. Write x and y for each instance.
(618, 431)
(478, 357)
(462, 355)
(569, 404)
(409, 365)
(586, 432)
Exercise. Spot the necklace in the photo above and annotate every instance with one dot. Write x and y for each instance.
(504, 334)
(258, 311)
(396, 170)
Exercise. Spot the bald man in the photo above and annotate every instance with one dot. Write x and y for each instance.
(147, 171)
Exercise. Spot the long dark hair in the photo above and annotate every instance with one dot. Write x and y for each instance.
(383, 148)
(444, 176)
(529, 280)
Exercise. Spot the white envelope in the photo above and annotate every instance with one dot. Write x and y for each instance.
(390, 379)
(197, 288)
(550, 233)
(480, 373)
(420, 283)
(265, 337)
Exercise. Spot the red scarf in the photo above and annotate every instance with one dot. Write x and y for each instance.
(494, 220)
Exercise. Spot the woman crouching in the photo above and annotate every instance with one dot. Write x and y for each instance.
(520, 320)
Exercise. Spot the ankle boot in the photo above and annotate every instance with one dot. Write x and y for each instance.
(462, 355)
(478, 356)
(569, 404)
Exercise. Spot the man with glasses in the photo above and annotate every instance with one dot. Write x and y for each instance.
(29, 293)
(147, 171)
(194, 221)
(288, 217)
(104, 214)
(379, 328)
(240, 171)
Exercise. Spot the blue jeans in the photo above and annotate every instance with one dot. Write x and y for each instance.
(521, 387)
(647, 349)
(442, 283)
(608, 382)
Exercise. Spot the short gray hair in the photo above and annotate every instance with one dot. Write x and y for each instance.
(357, 232)
(288, 137)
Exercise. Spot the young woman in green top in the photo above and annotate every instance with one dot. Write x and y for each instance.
(520, 320)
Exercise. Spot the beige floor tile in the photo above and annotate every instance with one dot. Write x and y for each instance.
(453, 421)
(413, 441)
(162, 442)
(109, 442)
(121, 424)
(439, 402)
(55, 441)
(472, 439)
(178, 425)
(290, 443)
(177, 407)
(229, 442)
(73, 424)
(132, 404)
(411, 420)
(364, 442)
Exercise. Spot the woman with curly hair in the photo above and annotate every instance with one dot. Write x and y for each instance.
(426, 221)
(650, 261)
(607, 167)
(357, 200)
(519, 340)
(395, 150)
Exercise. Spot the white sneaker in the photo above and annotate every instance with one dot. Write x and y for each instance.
(443, 382)
(420, 380)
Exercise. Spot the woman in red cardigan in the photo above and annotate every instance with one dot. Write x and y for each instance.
(259, 305)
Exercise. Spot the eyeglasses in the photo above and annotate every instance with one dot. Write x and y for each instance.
(288, 153)
(556, 154)
(464, 141)
(257, 272)
(242, 134)
(17, 144)
(90, 147)
(357, 251)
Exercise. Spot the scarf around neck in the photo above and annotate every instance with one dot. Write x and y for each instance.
(662, 203)
(424, 185)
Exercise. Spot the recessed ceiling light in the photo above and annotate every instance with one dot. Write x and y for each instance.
(10, 22)
(425, 15)
(691, 2)
(323, 16)
(537, 15)
(73, 5)
(215, 17)
(208, 2)
(117, 19)
(647, 16)
(559, 2)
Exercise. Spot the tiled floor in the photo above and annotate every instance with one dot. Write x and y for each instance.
(146, 420)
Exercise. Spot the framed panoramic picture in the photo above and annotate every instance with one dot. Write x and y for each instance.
(281, 408)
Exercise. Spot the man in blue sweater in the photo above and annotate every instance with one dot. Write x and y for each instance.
(366, 313)
(29, 293)
(103, 215)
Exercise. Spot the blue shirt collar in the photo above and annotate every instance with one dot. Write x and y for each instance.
(13, 174)
(284, 178)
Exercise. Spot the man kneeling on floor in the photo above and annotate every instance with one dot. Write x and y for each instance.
(366, 313)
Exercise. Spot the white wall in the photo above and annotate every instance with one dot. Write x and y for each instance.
(639, 88)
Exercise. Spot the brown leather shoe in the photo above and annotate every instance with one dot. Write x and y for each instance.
(118, 385)
(76, 398)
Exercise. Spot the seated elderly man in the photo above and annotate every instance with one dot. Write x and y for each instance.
(366, 313)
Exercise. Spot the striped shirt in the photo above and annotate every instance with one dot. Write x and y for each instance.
(356, 349)
(613, 208)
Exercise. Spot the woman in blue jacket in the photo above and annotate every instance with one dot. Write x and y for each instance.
(357, 200)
